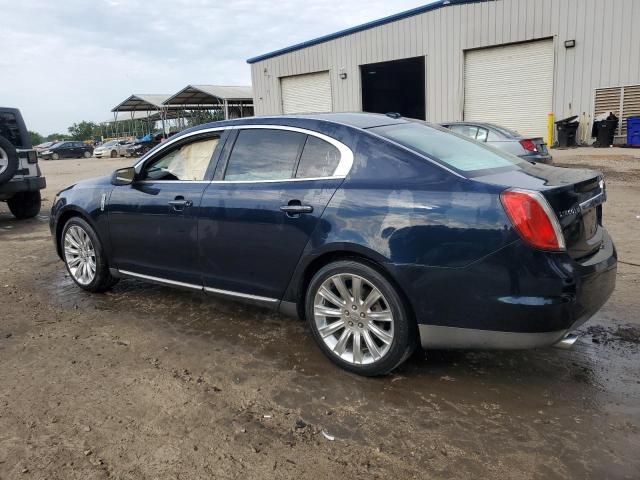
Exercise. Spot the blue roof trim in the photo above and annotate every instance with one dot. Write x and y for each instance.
(365, 26)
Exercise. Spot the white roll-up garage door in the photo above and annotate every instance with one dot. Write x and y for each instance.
(511, 85)
(306, 93)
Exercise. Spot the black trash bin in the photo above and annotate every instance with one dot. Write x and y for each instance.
(604, 131)
(567, 128)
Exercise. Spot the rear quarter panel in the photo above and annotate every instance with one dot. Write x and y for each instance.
(399, 209)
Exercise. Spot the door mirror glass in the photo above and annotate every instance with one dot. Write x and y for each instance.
(123, 176)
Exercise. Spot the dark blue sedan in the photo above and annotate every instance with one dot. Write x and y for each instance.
(383, 233)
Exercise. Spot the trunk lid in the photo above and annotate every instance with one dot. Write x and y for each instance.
(575, 195)
(541, 147)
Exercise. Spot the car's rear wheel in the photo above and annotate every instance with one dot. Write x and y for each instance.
(55, 156)
(25, 204)
(114, 154)
(8, 160)
(84, 256)
(358, 318)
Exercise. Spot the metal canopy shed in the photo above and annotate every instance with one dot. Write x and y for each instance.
(233, 100)
(143, 103)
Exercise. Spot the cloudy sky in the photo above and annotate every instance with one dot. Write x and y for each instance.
(66, 61)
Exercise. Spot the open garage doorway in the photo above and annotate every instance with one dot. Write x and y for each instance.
(396, 86)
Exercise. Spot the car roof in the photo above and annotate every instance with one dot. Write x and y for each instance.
(311, 120)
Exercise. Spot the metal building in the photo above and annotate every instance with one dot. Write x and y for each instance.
(505, 61)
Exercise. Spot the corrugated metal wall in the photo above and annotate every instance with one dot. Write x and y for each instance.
(607, 52)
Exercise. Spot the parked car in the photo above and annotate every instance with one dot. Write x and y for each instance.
(113, 149)
(142, 146)
(532, 149)
(20, 177)
(67, 149)
(382, 232)
(44, 146)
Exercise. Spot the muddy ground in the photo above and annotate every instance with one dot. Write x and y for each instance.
(150, 382)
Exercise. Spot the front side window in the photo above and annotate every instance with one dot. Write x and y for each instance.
(451, 150)
(318, 159)
(264, 154)
(188, 162)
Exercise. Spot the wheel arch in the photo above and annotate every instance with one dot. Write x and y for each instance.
(300, 283)
(62, 220)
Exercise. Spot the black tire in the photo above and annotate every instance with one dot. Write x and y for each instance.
(25, 204)
(55, 156)
(103, 280)
(403, 342)
(86, 154)
(8, 152)
(114, 154)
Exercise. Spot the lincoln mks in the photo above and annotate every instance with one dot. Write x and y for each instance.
(383, 233)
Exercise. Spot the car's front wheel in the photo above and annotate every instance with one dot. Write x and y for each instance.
(84, 256)
(86, 154)
(358, 318)
(55, 156)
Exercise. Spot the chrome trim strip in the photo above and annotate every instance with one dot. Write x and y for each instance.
(198, 287)
(310, 179)
(593, 201)
(161, 280)
(240, 295)
(341, 171)
(437, 336)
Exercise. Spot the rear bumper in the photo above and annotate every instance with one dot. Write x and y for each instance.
(27, 184)
(515, 298)
(538, 158)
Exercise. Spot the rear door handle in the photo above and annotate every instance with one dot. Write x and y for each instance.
(296, 209)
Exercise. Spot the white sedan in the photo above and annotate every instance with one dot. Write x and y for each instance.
(113, 148)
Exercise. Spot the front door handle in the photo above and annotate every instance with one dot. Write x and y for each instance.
(180, 203)
(295, 208)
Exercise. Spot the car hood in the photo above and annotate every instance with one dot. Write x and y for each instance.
(91, 183)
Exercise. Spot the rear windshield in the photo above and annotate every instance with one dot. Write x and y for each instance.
(452, 150)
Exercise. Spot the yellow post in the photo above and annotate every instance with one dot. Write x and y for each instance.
(550, 130)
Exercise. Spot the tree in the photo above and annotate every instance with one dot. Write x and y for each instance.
(56, 137)
(83, 130)
(36, 138)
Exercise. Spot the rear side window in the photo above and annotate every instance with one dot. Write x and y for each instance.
(264, 154)
(451, 150)
(319, 159)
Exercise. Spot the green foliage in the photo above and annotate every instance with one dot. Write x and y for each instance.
(56, 136)
(36, 138)
(83, 130)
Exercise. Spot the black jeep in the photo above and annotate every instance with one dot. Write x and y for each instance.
(20, 177)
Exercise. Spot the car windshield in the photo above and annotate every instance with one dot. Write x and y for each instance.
(111, 143)
(452, 150)
(57, 144)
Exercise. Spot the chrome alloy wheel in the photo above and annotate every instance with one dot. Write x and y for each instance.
(4, 160)
(79, 255)
(353, 319)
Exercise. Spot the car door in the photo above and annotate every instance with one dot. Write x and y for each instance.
(153, 222)
(271, 187)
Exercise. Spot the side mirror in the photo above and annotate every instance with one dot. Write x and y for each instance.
(123, 176)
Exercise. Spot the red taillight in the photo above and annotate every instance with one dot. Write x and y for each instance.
(533, 219)
(528, 145)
